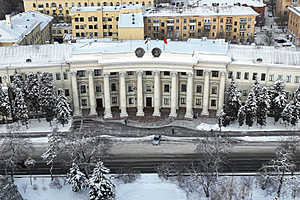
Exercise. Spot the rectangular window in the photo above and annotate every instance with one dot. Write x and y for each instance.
(81, 73)
(230, 74)
(214, 90)
(113, 73)
(198, 101)
(238, 75)
(67, 92)
(166, 73)
(131, 101)
(81, 19)
(166, 88)
(65, 75)
(98, 88)
(271, 78)
(131, 73)
(114, 100)
(97, 72)
(254, 76)
(246, 76)
(148, 88)
(215, 74)
(183, 88)
(166, 101)
(245, 93)
(199, 72)
(182, 100)
(297, 79)
(82, 89)
(130, 88)
(279, 77)
(263, 77)
(113, 87)
(58, 76)
(199, 89)
(288, 78)
(213, 103)
(183, 73)
(83, 102)
(148, 73)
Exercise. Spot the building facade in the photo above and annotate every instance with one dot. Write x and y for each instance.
(294, 24)
(25, 29)
(187, 78)
(231, 23)
(116, 22)
(282, 6)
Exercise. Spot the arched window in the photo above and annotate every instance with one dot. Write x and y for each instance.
(33, 5)
(111, 4)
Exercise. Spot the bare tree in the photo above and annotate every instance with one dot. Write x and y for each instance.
(13, 148)
(274, 173)
(213, 150)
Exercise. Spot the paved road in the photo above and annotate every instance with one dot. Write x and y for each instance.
(144, 157)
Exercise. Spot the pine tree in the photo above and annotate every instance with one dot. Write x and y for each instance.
(77, 179)
(250, 108)
(5, 106)
(101, 187)
(47, 96)
(290, 114)
(232, 104)
(55, 142)
(262, 99)
(241, 116)
(278, 99)
(20, 107)
(32, 92)
(63, 110)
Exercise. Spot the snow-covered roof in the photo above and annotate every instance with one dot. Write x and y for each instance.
(254, 3)
(34, 54)
(106, 8)
(205, 50)
(21, 25)
(202, 11)
(267, 54)
(295, 10)
(131, 20)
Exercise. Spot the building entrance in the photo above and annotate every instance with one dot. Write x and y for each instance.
(148, 101)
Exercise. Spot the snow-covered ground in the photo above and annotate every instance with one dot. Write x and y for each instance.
(146, 187)
(35, 126)
(235, 127)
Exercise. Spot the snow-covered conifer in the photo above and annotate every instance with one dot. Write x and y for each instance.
(101, 187)
(278, 99)
(232, 104)
(63, 110)
(5, 106)
(77, 179)
(20, 107)
(32, 92)
(250, 109)
(263, 103)
(241, 116)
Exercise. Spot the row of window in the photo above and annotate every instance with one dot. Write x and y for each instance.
(238, 75)
(53, 5)
(149, 87)
(166, 101)
(205, 28)
(57, 76)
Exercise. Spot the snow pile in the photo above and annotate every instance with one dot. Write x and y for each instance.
(208, 127)
(34, 126)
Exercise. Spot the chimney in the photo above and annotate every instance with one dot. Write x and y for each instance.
(8, 21)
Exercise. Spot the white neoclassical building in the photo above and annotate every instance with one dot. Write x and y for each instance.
(107, 77)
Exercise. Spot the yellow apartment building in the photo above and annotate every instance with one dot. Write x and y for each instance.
(235, 23)
(294, 24)
(25, 29)
(282, 6)
(106, 22)
(61, 9)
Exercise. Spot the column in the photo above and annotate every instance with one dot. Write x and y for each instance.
(189, 97)
(77, 111)
(140, 100)
(205, 94)
(157, 97)
(107, 111)
(123, 101)
(221, 92)
(92, 94)
(173, 95)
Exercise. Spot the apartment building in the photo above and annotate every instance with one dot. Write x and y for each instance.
(235, 23)
(116, 22)
(294, 24)
(61, 9)
(25, 28)
(282, 6)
